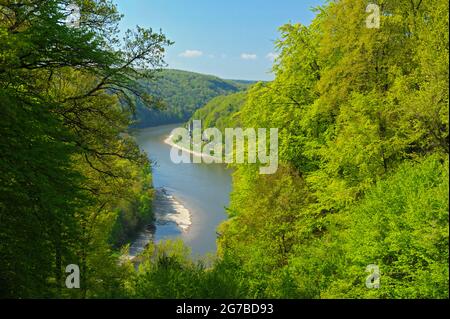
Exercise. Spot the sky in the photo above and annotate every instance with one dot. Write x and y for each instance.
(232, 39)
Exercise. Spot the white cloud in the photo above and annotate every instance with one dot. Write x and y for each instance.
(248, 56)
(272, 56)
(191, 54)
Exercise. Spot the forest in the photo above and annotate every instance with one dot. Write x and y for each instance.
(363, 147)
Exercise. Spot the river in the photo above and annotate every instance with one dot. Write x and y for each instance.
(201, 189)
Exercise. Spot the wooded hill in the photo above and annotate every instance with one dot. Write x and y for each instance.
(180, 93)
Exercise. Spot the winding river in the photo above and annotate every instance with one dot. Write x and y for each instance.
(190, 198)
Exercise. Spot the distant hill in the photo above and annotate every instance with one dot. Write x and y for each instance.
(221, 111)
(183, 93)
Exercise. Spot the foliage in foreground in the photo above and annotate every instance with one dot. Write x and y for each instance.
(363, 177)
(363, 132)
(72, 182)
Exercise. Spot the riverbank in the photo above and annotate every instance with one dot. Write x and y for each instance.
(166, 210)
(169, 141)
(169, 210)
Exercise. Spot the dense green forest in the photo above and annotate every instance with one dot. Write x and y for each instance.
(363, 119)
(222, 111)
(180, 94)
(73, 184)
(362, 178)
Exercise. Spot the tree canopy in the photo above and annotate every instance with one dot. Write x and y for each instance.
(362, 182)
(68, 170)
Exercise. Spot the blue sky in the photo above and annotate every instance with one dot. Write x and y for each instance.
(232, 39)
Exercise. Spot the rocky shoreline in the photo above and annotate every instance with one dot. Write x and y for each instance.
(166, 209)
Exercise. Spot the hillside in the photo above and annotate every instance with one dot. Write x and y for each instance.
(221, 111)
(183, 93)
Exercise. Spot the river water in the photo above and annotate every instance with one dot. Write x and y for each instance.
(201, 189)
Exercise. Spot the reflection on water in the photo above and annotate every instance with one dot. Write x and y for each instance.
(202, 189)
